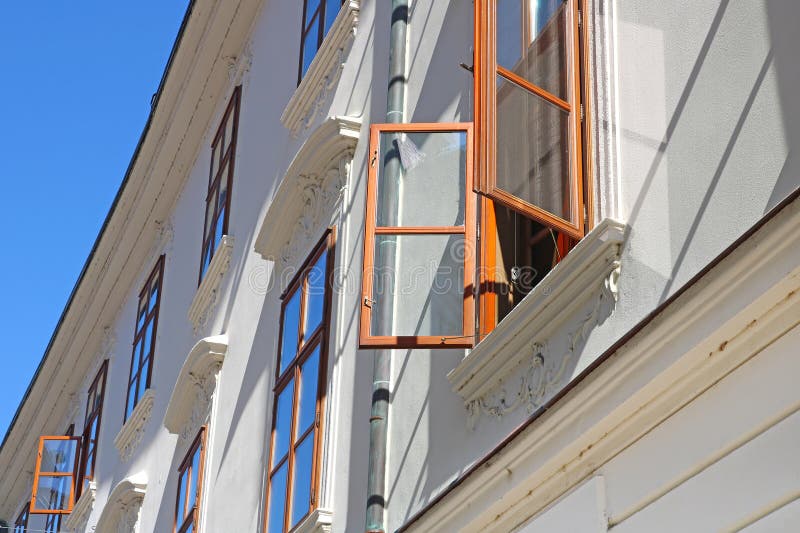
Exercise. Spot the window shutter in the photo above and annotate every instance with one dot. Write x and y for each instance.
(55, 475)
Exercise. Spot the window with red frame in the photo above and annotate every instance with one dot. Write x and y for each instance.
(318, 17)
(220, 181)
(91, 428)
(190, 486)
(300, 393)
(144, 339)
(21, 524)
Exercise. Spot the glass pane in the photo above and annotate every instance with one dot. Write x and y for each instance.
(153, 295)
(291, 319)
(195, 477)
(131, 398)
(332, 8)
(301, 492)
(533, 150)
(418, 285)
(308, 392)
(182, 495)
(229, 130)
(283, 423)
(422, 179)
(223, 189)
(315, 295)
(532, 42)
(143, 378)
(53, 493)
(210, 210)
(310, 45)
(137, 351)
(219, 228)
(311, 9)
(206, 261)
(58, 455)
(148, 339)
(277, 500)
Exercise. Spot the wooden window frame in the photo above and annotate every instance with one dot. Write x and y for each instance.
(465, 340)
(70, 474)
(209, 245)
(307, 344)
(486, 70)
(94, 412)
(199, 443)
(319, 15)
(134, 377)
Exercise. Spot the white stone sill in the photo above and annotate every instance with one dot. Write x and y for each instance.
(319, 521)
(206, 293)
(323, 71)
(552, 302)
(83, 507)
(126, 440)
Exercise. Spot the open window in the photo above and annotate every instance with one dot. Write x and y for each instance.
(529, 110)
(420, 235)
(54, 481)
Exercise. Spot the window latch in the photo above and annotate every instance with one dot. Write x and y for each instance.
(374, 158)
(470, 68)
(369, 302)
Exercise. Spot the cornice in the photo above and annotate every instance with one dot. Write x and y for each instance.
(309, 190)
(521, 340)
(191, 397)
(323, 74)
(132, 431)
(208, 291)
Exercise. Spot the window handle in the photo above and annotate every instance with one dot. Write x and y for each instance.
(369, 302)
(470, 68)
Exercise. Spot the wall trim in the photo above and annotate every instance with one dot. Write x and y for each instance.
(132, 431)
(208, 291)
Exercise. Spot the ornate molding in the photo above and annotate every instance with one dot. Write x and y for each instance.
(132, 431)
(208, 292)
(79, 517)
(190, 404)
(319, 521)
(121, 512)
(518, 363)
(309, 193)
(322, 76)
(542, 373)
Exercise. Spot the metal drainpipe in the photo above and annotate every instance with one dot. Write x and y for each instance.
(379, 416)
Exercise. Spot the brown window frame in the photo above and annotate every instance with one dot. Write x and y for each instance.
(485, 71)
(22, 520)
(192, 518)
(465, 340)
(308, 342)
(72, 474)
(318, 18)
(209, 244)
(134, 377)
(94, 412)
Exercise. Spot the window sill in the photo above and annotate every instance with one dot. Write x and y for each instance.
(207, 292)
(324, 72)
(79, 517)
(132, 431)
(518, 341)
(319, 521)
(190, 402)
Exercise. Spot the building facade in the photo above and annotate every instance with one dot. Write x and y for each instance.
(439, 266)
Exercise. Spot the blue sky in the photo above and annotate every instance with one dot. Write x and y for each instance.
(76, 80)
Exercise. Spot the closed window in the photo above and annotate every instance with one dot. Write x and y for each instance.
(91, 428)
(144, 339)
(300, 393)
(21, 524)
(318, 17)
(190, 487)
(220, 181)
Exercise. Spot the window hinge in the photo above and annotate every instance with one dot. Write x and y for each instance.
(316, 422)
(580, 19)
(583, 113)
(369, 302)
(374, 159)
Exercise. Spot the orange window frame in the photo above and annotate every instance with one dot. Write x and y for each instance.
(72, 474)
(465, 340)
(308, 342)
(191, 518)
(486, 70)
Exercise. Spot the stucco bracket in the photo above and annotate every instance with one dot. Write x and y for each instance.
(121, 512)
(518, 364)
(190, 403)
